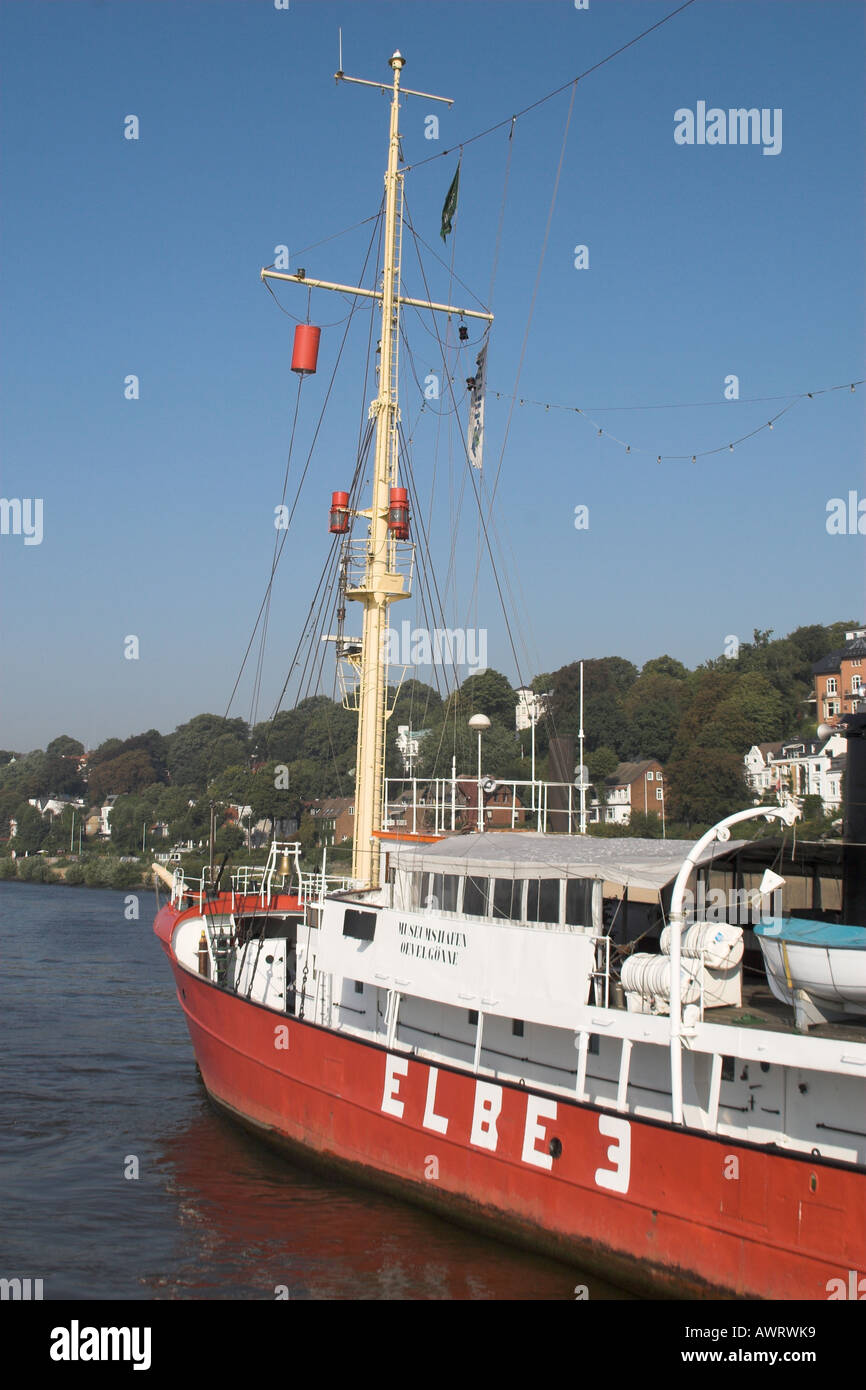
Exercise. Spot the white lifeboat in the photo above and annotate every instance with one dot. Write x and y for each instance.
(818, 967)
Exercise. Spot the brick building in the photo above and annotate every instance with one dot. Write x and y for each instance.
(633, 787)
(839, 679)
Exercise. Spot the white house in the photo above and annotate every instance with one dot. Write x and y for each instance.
(530, 708)
(408, 743)
(761, 773)
(799, 768)
(55, 805)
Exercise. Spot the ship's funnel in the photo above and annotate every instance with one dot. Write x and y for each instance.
(853, 729)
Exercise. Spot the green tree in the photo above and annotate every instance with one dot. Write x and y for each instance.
(96, 872)
(653, 708)
(416, 704)
(600, 765)
(34, 870)
(752, 712)
(132, 771)
(645, 826)
(32, 830)
(836, 633)
(130, 817)
(229, 838)
(665, 666)
(704, 788)
(155, 746)
(111, 748)
(64, 746)
(500, 752)
(606, 682)
(490, 693)
(812, 641)
(61, 828)
(205, 746)
(307, 834)
(707, 689)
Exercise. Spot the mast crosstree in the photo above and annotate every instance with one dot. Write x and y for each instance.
(380, 581)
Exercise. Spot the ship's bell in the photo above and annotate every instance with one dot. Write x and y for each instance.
(285, 866)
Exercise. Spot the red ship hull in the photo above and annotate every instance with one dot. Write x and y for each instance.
(664, 1210)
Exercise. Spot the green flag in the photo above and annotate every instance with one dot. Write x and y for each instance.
(450, 205)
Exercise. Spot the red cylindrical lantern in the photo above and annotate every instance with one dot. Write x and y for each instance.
(339, 522)
(305, 353)
(398, 514)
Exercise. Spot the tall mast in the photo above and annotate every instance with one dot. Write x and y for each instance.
(381, 583)
(376, 578)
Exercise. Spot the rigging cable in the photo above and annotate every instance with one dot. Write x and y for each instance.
(454, 528)
(333, 561)
(509, 120)
(699, 453)
(301, 482)
(324, 587)
(257, 681)
(535, 288)
(488, 546)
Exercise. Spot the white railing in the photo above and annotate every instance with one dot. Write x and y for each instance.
(600, 977)
(401, 560)
(314, 886)
(282, 870)
(439, 806)
(283, 865)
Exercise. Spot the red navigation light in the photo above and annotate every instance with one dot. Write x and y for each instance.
(339, 522)
(398, 514)
(305, 353)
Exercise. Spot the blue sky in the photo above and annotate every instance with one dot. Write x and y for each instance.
(121, 256)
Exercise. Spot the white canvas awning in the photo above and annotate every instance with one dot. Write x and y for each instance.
(633, 863)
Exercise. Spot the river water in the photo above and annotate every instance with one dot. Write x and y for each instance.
(99, 1081)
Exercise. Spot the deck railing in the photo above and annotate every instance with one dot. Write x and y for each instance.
(441, 805)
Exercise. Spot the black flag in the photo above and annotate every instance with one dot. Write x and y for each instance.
(450, 205)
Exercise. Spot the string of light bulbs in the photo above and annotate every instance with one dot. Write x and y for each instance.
(698, 453)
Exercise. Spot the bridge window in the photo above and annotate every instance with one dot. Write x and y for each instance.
(508, 898)
(475, 896)
(578, 902)
(360, 925)
(440, 891)
(542, 900)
